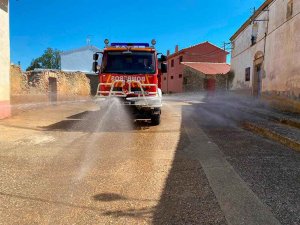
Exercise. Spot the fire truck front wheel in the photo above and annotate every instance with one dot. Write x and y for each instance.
(155, 119)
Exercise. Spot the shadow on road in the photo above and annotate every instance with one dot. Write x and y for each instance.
(97, 121)
(187, 197)
(108, 197)
(138, 213)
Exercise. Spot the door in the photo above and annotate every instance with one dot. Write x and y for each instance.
(259, 72)
(211, 85)
(257, 81)
(52, 89)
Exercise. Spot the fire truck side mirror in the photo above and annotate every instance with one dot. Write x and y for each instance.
(95, 67)
(95, 57)
(164, 68)
(163, 58)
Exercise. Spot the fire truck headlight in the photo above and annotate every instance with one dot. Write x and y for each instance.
(153, 42)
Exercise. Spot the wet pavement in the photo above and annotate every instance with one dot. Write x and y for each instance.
(79, 164)
(270, 170)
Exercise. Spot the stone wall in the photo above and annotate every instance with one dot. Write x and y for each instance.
(18, 82)
(33, 86)
(193, 81)
(196, 81)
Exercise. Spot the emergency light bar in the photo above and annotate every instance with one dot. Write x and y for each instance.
(130, 44)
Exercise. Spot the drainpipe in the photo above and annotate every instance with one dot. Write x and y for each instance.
(266, 33)
(168, 54)
(167, 82)
(265, 44)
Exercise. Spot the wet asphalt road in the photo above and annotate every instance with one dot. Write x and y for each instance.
(76, 164)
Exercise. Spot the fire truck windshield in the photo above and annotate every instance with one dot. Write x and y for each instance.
(129, 62)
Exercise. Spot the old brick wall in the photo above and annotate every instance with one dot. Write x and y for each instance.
(221, 82)
(193, 81)
(18, 81)
(33, 86)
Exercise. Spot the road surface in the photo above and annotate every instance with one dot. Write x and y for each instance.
(73, 163)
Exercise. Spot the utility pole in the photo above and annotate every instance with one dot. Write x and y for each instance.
(253, 10)
(88, 39)
(225, 44)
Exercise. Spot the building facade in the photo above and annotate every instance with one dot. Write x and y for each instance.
(172, 82)
(79, 59)
(205, 76)
(4, 60)
(266, 51)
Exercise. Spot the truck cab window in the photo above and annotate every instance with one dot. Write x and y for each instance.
(133, 63)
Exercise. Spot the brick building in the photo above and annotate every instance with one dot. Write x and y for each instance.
(172, 82)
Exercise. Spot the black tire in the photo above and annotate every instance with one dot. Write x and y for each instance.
(155, 120)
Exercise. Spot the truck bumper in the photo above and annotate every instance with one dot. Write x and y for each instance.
(141, 101)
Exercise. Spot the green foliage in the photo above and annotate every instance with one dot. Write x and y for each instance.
(230, 77)
(49, 60)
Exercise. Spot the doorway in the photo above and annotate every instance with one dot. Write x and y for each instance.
(257, 81)
(257, 74)
(210, 85)
(52, 89)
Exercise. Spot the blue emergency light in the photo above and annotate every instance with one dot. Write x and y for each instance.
(130, 44)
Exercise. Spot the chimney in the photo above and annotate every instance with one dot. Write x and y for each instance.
(176, 48)
(168, 52)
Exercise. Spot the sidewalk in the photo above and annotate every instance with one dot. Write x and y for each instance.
(259, 117)
(283, 127)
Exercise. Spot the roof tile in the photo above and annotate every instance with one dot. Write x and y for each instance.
(209, 68)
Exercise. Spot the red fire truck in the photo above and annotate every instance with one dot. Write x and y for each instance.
(131, 72)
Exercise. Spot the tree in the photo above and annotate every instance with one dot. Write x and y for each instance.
(49, 60)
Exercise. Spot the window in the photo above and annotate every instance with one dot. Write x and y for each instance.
(165, 78)
(172, 63)
(180, 59)
(172, 77)
(247, 74)
(290, 7)
(254, 34)
(180, 75)
(253, 40)
(134, 63)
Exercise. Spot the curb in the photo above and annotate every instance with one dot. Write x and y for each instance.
(282, 120)
(289, 122)
(272, 135)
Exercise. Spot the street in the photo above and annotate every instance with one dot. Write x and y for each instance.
(77, 163)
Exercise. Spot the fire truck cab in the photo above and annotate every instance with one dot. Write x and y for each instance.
(131, 72)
